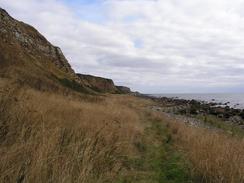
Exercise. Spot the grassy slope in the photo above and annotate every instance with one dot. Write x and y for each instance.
(47, 137)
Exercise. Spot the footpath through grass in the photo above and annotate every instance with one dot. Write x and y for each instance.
(157, 160)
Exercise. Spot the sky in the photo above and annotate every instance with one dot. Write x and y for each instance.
(152, 46)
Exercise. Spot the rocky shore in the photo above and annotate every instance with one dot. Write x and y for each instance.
(190, 110)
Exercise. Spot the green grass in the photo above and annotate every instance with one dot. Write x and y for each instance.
(219, 123)
(158, 162)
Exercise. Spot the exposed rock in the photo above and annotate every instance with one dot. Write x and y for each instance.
(24, 49)
(98, 84)
(26, 40)
(236, 119)
(124, 89)
(194, 108)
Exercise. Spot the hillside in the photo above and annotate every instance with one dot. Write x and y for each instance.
(59, 126)
(30, 58)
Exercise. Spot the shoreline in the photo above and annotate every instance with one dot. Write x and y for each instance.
(198, 113)
(231, 100)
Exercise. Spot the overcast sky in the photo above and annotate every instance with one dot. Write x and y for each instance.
(153, 46)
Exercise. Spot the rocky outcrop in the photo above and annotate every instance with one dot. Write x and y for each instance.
(99, 84)
(124, 89)
(27, 41)
(32, 59)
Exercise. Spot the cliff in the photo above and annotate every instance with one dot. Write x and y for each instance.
(123, 89)
(20, 40)
(99, 84)
(28, 57)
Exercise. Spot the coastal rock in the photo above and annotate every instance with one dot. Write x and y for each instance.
(236, 119)
(27, 41)
(124, 89)
(194, 107)
(242, 114)
(98, 84)
(33, 60)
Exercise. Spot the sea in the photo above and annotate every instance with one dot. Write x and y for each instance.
(234, 100)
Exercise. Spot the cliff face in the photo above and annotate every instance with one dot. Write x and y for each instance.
(29, 57)
(25, 41)
(99, 84)
(123, 89)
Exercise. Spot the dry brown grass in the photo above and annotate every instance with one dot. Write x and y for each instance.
(216, 157)
(52, 138)
(47, 137)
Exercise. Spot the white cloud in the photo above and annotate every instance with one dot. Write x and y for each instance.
(149, 45)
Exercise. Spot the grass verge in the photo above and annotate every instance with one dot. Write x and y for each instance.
(157, 160)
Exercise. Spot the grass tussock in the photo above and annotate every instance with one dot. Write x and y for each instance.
(50, 138)
(216, 157)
